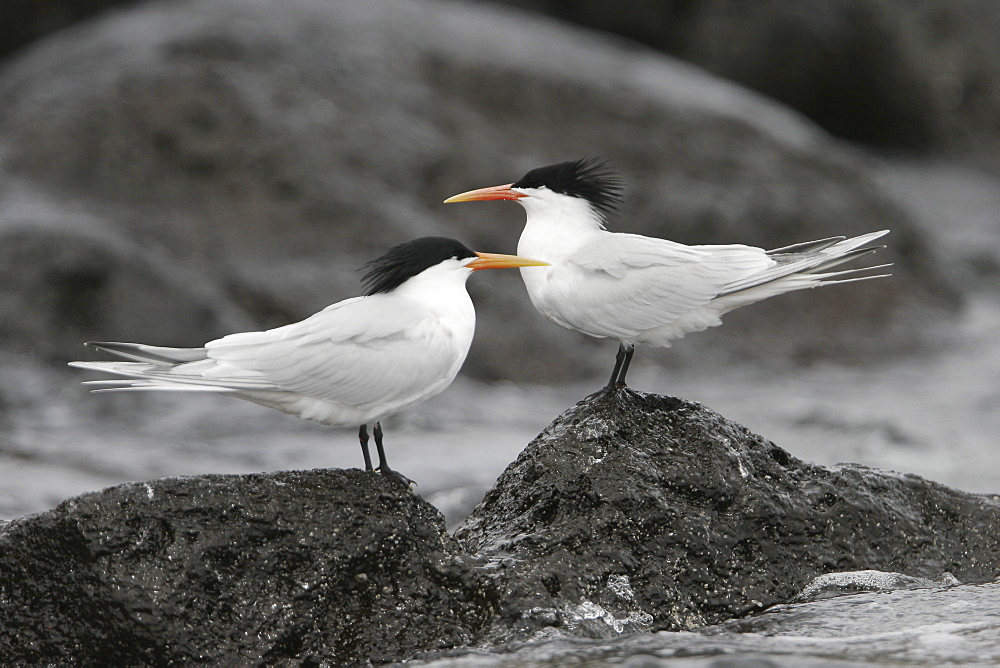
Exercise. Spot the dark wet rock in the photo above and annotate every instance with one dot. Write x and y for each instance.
(269, 150)
(341, 567)
(641, 511)
(630, 513)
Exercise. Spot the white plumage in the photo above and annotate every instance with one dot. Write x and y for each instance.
(638, 289)
(355, 362)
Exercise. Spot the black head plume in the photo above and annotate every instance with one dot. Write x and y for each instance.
(589, 178)
(405, 261)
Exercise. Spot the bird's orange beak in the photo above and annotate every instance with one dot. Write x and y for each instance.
(497, 261)
(486, 194)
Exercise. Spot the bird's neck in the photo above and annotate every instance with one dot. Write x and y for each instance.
(442, 292)
(555, 228)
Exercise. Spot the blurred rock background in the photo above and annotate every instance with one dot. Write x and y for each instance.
(173, 171)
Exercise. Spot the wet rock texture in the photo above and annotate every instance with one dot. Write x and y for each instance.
(339, 567)
(702, 519)
(630, 512)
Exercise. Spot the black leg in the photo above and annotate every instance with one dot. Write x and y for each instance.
(622, 360)
(629, 350)
(619, 358)
(383, 465)
(363, 437)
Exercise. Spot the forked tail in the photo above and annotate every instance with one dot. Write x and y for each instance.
(807, 265)
(162, 369)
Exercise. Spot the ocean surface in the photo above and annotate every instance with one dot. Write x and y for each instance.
(930, 626)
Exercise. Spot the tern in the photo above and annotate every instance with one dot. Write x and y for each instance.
(355, 362)
(644, 290)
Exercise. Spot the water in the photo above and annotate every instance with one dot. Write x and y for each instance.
(927, 626)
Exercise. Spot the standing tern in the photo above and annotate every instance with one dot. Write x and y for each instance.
(638, 289)
(354, 362)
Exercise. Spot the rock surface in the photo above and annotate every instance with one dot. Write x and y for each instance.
(703, 520)
(324, 566)
(630, 512)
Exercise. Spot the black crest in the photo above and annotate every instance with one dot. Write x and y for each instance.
(405, 261)
(589, 178)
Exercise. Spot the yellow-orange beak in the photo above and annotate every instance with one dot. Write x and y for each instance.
(486, 194)
(497, 261)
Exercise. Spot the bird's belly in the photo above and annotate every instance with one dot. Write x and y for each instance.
(338, 414)
(324, 411)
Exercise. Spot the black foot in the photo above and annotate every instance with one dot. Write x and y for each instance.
(383, 465)
(393, 473)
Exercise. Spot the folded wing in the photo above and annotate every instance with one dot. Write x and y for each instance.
(357, 352)
(629, 283)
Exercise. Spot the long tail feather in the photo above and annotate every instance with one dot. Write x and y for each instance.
(807, 246)
(854, 279)
(842, 259)
(140, 352)
(835, 275)
(138, 386)
(804, 265)
(157, 375)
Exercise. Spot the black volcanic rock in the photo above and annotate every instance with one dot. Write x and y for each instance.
(336, 566)
(642, 511)
(630, 512)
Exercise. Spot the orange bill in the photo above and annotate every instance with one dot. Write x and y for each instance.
(486, 194)
(498, 261)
